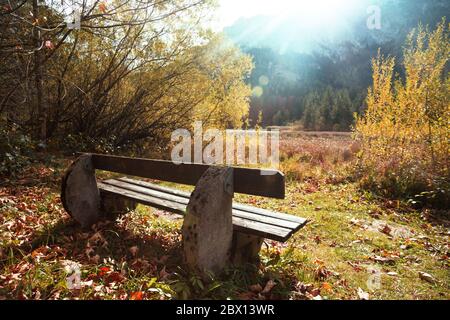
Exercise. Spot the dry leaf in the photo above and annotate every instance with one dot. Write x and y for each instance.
(163, 274)
(427, 277)
(327, 286)
(362, 294)
(136, 295)
(386, 230)
(269, 286)
(315, 292)
(102, 7)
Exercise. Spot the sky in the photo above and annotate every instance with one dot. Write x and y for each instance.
(314, 12)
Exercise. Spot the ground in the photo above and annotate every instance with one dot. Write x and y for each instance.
(355, 246)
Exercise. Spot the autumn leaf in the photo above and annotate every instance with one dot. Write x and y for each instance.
(48, 44)
(362, 294)
(327, 286)
(103, 271)
(163, 274)
(138, 295)
(268, 287)
(427, 277)
(102, 7)
(114, 277)
(386, 230)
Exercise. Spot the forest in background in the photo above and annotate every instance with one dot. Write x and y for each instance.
(321, 85)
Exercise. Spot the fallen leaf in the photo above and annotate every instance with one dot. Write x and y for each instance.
(315, 292)
(48, 44)
(86, 283)
(103, 271)
(392, 274)
(327, 286)
(114, 277)
(303, 288)
(269, 286)
(163, 274)
(386, 230)
(321, 273)
(317, 239)
(136, 295)
(362, 294)
(102, 7)
(355, 266)
(427, 277)
(383, 259)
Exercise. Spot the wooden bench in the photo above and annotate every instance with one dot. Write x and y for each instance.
(215, 230)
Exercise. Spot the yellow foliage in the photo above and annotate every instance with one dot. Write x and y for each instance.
(404, 133)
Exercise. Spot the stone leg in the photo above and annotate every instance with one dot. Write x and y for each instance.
(208, 227)
(79, 193)
(113, 205)
(245, 248)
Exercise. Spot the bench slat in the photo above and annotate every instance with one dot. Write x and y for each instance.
(183, 200)
(241, 224)
(258, 182)
(239, 206)
(144, 199)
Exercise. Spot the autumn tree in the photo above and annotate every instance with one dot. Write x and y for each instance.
(134, 71)
(404, 132)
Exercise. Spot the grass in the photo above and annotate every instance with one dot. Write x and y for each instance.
(354, 241)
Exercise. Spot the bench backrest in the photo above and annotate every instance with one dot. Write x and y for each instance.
(258, 182)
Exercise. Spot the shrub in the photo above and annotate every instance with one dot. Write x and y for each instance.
(15, 150)
(404, 133)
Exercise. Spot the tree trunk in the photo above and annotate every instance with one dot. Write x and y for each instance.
(42, 117)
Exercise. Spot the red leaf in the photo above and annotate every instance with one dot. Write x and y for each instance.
(48, 44)
(102, 7)
(136, 295)
(103, 271)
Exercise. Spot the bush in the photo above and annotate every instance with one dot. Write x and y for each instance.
(15, 150)
(404, 133)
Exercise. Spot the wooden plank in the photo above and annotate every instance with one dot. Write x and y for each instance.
(262, 230)
(238, 206)
(185, 201)
(267, 183)
(268, 213)
(144, 199)
(239, 224)
(153, 186)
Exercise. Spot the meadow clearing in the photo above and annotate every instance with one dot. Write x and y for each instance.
(356, 245)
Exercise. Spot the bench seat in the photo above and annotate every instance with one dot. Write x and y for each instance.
(246, 219)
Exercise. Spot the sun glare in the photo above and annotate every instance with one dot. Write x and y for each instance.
(310, 13)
